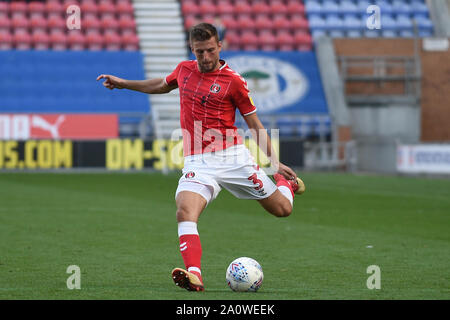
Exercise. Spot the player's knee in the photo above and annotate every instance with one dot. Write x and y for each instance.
(283, 210)
(183, 214)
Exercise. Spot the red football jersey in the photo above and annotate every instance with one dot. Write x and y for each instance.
(208, 104)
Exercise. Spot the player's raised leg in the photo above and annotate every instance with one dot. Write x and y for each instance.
(280, 203)
(189, 207)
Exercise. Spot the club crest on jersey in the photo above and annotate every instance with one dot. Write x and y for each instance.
(190, 174)
(215, 88)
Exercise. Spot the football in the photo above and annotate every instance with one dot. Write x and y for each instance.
(244, 274)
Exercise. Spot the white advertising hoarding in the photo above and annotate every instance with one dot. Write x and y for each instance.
(424, 158)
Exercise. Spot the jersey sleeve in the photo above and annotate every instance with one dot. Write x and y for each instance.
(171, 79)
(241, 97)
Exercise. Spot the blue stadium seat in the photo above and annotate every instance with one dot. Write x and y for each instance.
(388, 23)
(418, 6)
(348, 7)
(385, 7)
(404, 22)
(330, 7)
(317, 23)
(313, 7)
(399, 6)
(351, 23)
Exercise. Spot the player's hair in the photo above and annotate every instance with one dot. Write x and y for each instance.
(202, 32)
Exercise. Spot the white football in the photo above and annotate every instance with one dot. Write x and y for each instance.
(244, 274)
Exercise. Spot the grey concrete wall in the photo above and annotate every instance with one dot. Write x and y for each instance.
(378, 129)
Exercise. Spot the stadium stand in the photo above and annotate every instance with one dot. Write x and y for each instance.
(348, 18)
(56, 66)
(254, 25)
(107, 24)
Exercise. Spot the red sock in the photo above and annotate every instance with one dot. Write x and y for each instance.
(191, 251)
(281, 181)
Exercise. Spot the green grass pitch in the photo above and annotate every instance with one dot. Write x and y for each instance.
(120, 229)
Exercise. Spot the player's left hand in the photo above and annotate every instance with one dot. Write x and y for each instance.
(287, 172)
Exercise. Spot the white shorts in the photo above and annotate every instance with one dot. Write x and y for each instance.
(233, 169)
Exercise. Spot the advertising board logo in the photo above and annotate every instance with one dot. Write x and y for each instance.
(58, 126)
(273, 83)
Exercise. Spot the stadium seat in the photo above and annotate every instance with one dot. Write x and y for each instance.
(389, 34)
(207, 7)
(113, 42)
(189, 7)
(229, 21)
(352, 23)
(56, 24)
(233, 40)
(36, 9)
(22, 41)
(106, 9)
(189, 21)
(4, 10)
(262, 21)
(302, 41)
(109, 24)
(316, 22)
(6, 41)
(127, 26)
(20, 24)
(249, 40)
(261, 7)
(130, 42)
(90, 8)
(242, 7)
(388, 23)
(5, 25)
(298, 21)
(38, 24)
(91, 24)
(334, 23)
(94, 42)
(313, 7)
(295, 7)
(224, 7)
(285, 40)
(54, 8)
(401, 7)
(403, 22)
(58, 41)
(348, 7)
(124, 8)
(18, 7)
(280, 22)
(329, 7)
(278, 6)
(267, 41)
(245, 21)
(418, 6)
(40, 41)
(76, 40)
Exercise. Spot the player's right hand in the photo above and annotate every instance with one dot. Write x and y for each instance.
(111, 82)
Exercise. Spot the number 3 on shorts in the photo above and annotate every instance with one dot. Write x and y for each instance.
(255, 180)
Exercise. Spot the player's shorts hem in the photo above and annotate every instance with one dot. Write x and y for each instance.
(196, 187)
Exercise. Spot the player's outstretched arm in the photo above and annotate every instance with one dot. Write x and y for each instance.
(151, 86)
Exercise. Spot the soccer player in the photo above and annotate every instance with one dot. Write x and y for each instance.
(214, 155)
